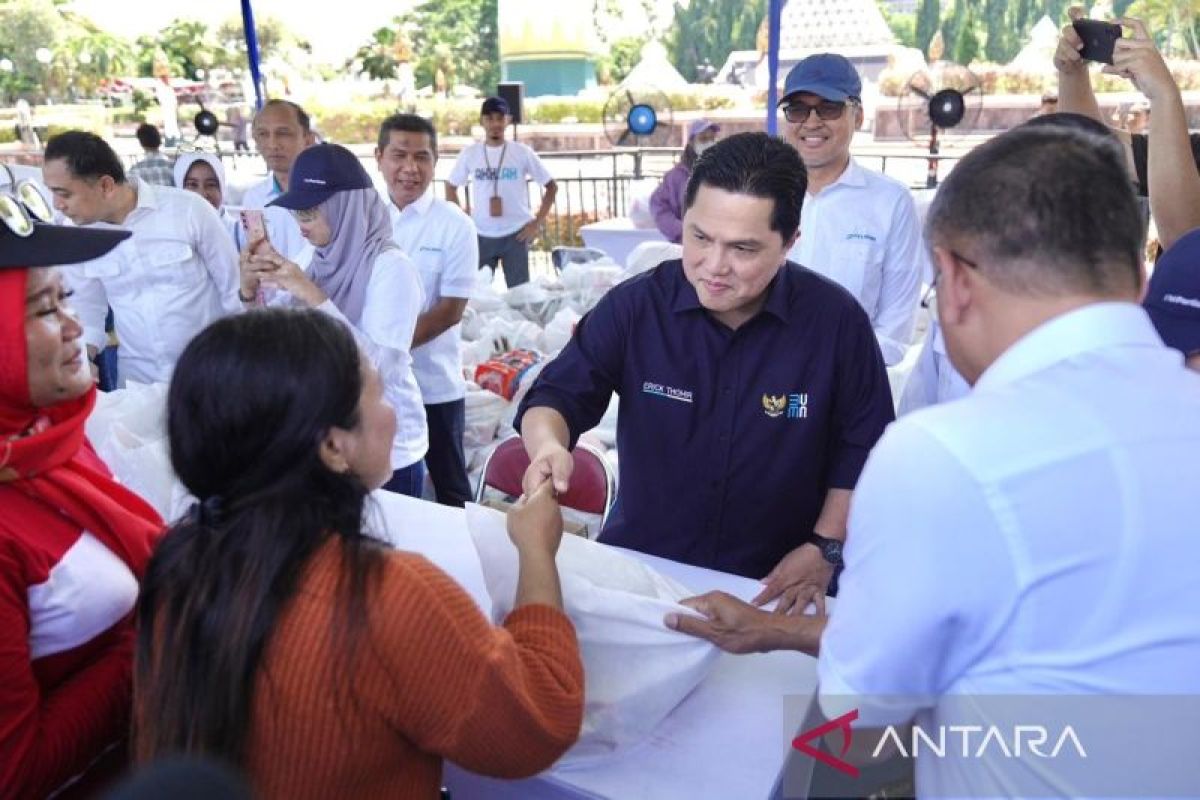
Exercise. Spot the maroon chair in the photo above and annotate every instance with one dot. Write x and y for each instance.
(593, 484)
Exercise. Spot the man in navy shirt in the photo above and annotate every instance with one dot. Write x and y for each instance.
(751, 389)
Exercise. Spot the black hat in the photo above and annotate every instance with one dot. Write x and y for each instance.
(494, 105)
(54, 245)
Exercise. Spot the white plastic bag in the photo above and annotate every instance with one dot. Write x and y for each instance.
(617, 605)
(128, 429)
(585, 284)
(648, 255)
(558, 330)
(484, 410)
(537, 301)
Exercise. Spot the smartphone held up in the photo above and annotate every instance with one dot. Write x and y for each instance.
(1099, 39)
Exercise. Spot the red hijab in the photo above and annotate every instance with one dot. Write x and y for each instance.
(52, 477)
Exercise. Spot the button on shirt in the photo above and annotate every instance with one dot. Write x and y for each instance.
(729, 440)
(1037, 536)
(440, 239)
(862, 232)
(282, 228)
(175, 275)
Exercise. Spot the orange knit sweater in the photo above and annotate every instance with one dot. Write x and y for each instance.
(432, 679)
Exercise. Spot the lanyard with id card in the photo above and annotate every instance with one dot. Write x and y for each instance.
(495, 202)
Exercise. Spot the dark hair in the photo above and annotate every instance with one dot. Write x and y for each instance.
(87, 155)
(301, 114)
(245, 418)
(148, 136)
(1044, 209)
(407, 123)
(1072, 121)
(760, 166)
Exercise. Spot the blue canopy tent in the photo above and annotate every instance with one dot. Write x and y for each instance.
(774, 14)
(252, 51)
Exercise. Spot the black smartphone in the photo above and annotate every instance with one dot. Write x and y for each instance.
(1098, 37)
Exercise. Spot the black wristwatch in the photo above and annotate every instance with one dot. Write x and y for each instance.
(831, 549)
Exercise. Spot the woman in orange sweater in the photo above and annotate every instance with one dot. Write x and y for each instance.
(278, 635)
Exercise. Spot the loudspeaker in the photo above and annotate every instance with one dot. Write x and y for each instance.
(513, 93)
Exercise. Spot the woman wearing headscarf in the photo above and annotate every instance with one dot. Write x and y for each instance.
(668, 199)
(204, 174)
(74, 543)
(358, 274)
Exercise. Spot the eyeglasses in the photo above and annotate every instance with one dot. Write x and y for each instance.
(827, 110)
(929, 298)
(306, 215)
(21, 205)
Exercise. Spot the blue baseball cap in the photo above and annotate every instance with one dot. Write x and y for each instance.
(494, 105)
(1173, 297)
(826, 75)
(320, 172)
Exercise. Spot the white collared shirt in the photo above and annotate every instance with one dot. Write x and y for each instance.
(385, 333)
(440, 239)
(282, 228)
(1037, 536)
(862, 231)
(175, 275)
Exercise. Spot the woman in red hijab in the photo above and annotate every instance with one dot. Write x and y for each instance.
(73, 542)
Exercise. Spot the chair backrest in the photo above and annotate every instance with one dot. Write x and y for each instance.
(593, 484)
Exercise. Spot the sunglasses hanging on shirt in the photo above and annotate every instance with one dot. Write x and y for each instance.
(21, 204)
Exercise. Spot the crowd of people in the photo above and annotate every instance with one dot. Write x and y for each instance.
(310, 340)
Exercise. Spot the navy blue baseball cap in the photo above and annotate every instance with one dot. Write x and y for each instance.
(494, 105)
(1173, 297)
(320, 172)
(826, 75)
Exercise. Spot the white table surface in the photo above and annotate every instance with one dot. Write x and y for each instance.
(617, 237)
(728, 739)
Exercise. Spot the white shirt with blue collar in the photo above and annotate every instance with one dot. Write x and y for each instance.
(1035, 537)
(862, 231)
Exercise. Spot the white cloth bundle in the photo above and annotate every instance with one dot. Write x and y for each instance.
(636, 670)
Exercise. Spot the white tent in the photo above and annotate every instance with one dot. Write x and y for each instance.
(1038, 54)
(655, 70)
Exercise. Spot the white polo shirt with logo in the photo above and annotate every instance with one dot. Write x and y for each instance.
(1038, 536)
(501, 171)
(439, 238)
(862, 231)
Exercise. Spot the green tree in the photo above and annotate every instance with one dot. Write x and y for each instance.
(621, 57)
(380, 58)
(275, 38)
(709, 30)
(904, 26)
(966, 45)
(25, 27)
(188, 44)
(459, 34)
(1174, 24)
(929, 18)
(1000, 45)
